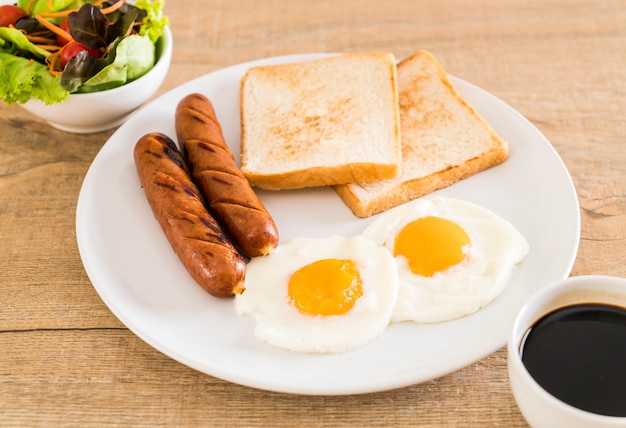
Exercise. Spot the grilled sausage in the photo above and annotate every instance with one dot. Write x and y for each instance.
(228, 195)
(178, 206)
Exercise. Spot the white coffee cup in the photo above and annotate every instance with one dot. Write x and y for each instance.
(538, 406)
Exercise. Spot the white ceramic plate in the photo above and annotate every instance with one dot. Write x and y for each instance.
(142, 281)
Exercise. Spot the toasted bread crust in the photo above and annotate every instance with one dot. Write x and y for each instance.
(444, 140)
(319, 176)
(418, 187)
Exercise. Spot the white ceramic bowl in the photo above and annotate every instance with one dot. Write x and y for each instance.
(539, 407)
(99, 111)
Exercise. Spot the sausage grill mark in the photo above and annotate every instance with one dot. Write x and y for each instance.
(190, 192)
(211, 225)
(203, 115)
(221, 181)
(174, 156)
(166, 181)
(206, 146)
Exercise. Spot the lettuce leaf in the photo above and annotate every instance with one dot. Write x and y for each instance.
(13, 41)
(22, 79)
(134, 56)
(155, 18)
(42, 6)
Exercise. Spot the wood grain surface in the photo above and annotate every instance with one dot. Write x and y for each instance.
(66, 360)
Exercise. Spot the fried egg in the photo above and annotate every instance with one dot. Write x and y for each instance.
(320, 295)
(453, 257)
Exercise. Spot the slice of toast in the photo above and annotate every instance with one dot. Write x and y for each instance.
(322, 122)
(444, 140)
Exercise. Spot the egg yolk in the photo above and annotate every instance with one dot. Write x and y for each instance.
(431, 245)
(326, 287)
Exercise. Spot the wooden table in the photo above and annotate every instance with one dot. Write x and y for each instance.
(65, 359)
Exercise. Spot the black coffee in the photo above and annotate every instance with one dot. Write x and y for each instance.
(578, 354)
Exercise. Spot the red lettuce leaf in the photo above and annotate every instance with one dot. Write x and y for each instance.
(89, 26)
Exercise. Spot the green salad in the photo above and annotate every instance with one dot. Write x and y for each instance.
(52, 48)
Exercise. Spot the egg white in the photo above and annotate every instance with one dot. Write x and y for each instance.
(496, 247)
(280, 324)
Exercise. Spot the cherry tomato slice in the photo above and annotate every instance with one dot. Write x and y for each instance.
(65, 27)
(72, 49)
(9, 14)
